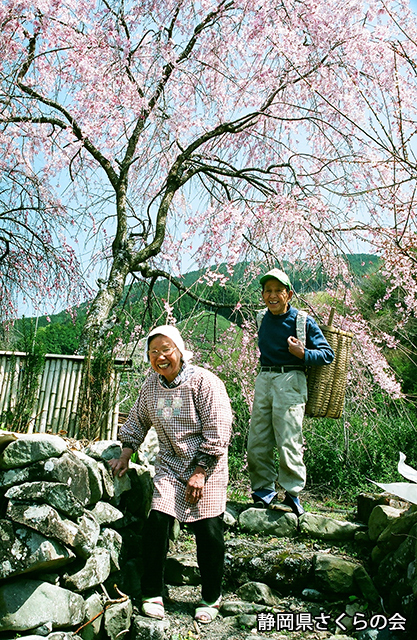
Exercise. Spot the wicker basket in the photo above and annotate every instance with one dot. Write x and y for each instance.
(327, 383)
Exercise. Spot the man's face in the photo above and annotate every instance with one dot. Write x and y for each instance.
(164, 357)
(276, 296)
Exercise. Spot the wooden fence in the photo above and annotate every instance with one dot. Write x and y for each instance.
(56, 400)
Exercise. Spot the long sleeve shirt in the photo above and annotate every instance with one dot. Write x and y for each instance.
(190, 419)
(274, 332)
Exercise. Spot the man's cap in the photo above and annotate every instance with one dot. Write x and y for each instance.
(278, 275)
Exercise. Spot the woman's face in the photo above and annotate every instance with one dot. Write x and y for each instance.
(164, 356)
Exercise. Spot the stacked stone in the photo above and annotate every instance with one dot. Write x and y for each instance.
(312, 574)
(65, 529)
(393, 530)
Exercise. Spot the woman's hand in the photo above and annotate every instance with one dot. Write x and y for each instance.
(195, 486)
(119, 466)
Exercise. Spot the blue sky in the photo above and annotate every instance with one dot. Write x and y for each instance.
(84, 252)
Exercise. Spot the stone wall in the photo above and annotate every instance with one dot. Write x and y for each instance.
(393, 532)
(70, 539)
(66, 530)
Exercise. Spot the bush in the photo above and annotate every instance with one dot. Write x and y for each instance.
(238, 441)
(20, 415)
(343, 455)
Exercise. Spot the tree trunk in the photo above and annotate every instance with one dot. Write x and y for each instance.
(100, 318)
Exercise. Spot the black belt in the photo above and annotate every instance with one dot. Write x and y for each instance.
(284, 368)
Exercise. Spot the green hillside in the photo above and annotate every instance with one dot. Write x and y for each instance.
(60, 333)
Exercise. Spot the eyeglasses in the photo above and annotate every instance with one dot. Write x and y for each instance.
(168, 351)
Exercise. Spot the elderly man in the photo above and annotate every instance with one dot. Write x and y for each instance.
(281, 394)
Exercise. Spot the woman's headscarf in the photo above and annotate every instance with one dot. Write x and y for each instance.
(168, 331)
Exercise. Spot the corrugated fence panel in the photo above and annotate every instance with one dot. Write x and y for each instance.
(55, 407)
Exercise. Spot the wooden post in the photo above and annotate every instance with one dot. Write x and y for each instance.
(59, 416)
(3, 383)
(49, 375)
(14, 383)
(76, 395)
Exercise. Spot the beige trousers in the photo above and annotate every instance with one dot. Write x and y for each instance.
(277, 420)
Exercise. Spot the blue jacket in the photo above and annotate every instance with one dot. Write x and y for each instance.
(272, 341)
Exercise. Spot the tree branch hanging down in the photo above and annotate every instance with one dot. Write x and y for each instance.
(181, 135)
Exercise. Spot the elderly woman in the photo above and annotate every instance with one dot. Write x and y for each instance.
(190, 410)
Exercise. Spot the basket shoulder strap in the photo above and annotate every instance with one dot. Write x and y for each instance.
(260, 317)
(300, 325)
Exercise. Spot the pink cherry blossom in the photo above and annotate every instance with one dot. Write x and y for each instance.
(181, 133)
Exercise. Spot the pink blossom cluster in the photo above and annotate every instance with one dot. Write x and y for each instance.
(369, 368)
(181, 132)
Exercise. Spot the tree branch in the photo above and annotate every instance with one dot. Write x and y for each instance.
(149, 272)
(7, 249)
(76, 129)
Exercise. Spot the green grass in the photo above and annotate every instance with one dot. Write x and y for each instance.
(343, 455)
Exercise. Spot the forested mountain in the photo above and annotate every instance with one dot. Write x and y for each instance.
(60, 333)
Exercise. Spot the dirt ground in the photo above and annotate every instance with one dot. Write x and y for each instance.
(180, 604)
(180, 611)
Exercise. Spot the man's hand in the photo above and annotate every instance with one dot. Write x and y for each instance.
(296, 347)
(119, 466)
(195, 486)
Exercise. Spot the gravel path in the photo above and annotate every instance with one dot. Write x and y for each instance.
(181, 602)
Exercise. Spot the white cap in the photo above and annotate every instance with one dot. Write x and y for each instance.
(278, 275)
(171, 332)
